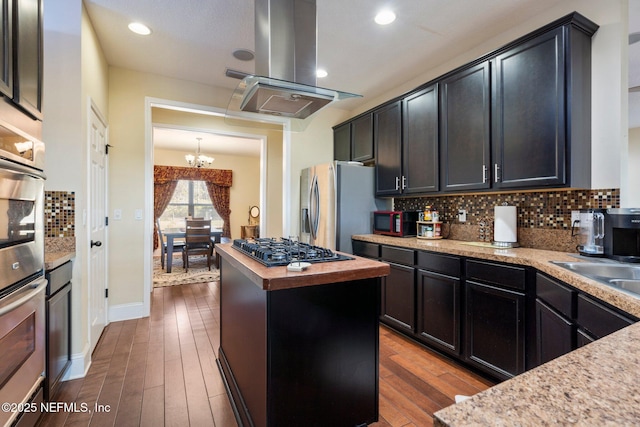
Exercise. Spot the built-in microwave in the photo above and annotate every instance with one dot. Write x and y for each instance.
(395, 223)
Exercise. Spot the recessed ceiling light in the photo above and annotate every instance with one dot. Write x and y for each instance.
(243, 54)
(385, 17)
(140, 28)
(320, 73)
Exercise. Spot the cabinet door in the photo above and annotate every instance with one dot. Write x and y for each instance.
(529, 120)
(387, 133)
(342, 142)
(420, 141)
(554, 333)
(27, 88)
(598, 320)
(466, 129)
(495, 330)
(398, 298)
(439, 311)
(362, 139)
(6, 48)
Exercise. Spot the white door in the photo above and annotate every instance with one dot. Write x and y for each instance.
(97, 213)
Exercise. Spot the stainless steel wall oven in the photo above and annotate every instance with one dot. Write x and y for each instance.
(22, 282)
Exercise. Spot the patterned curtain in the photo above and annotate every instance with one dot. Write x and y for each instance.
(218, 183)
(220, 200)
(162, 194)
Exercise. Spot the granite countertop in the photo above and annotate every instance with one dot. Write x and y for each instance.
(276, 278)
(57, 251)
(540, 259)
(598, 384)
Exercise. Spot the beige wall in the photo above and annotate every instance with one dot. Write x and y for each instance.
(75, 70)
(128, 91)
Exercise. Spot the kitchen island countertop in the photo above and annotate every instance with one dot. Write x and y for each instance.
(276, 278)
(598, 384)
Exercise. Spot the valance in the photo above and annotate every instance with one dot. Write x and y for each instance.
(164, 174)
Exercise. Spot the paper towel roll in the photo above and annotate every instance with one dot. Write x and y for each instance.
(505, 228)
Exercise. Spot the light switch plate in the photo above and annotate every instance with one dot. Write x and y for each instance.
(117, 214)
(138, 214)
(462, 215)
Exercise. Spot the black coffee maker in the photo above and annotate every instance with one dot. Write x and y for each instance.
(622, 234)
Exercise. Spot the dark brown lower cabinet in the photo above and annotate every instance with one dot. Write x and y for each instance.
(439, 318)
(554, 333)
(495, 329)
(398, 298)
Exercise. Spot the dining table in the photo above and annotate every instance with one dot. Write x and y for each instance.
(175, 233)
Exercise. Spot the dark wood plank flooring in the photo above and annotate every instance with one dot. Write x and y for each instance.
(161, 370)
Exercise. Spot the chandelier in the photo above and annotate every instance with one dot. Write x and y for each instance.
(199, 160)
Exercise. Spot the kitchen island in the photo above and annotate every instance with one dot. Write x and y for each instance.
(300, 348)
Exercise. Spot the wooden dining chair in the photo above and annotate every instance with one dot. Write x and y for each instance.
(162, 242)
(197, 241)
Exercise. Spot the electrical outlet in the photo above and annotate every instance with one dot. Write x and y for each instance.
(575, 216)
(462, 215)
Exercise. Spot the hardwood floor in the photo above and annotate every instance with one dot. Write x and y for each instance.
(161, 370)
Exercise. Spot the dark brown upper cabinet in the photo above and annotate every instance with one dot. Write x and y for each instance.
(420, 142)
(342, 142)
(27, 75)
(6, 48)
(387, 125)
(541, 108)
(362, 139)
(354, 140)
(529, 113)
(465, 123)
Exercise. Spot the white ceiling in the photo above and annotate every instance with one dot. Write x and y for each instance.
(211, 144)
(194, 40)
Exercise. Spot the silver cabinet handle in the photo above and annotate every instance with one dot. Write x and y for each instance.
(404, 182)
(484, 174)
(397, 182)
(496, 176)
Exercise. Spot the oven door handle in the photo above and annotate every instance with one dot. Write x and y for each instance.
(30, 291)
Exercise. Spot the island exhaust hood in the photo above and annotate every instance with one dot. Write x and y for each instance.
(284, 84)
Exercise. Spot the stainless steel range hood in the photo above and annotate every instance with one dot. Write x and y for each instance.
(285, 64)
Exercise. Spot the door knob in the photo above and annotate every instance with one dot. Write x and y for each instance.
(98, 243)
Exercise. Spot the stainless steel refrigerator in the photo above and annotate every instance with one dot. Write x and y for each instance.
(336, 201)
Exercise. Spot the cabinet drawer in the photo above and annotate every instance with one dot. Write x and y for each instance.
(399, 255)
(558, 296)
(597, 319)
(498, 274)
(58, 277)
(445, 264)
(365, 249)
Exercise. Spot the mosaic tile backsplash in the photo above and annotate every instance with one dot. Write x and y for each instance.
(544, 217)
(59, 213)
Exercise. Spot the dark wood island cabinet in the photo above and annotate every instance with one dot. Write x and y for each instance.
(300, 348)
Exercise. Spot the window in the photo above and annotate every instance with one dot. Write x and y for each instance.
(191, 198)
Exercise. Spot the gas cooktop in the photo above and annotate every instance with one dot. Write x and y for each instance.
(274, 252)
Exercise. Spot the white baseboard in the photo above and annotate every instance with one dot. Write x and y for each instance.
(80, 363)
(127, 312)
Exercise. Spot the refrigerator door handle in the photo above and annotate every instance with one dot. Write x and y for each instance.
(314, 207)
